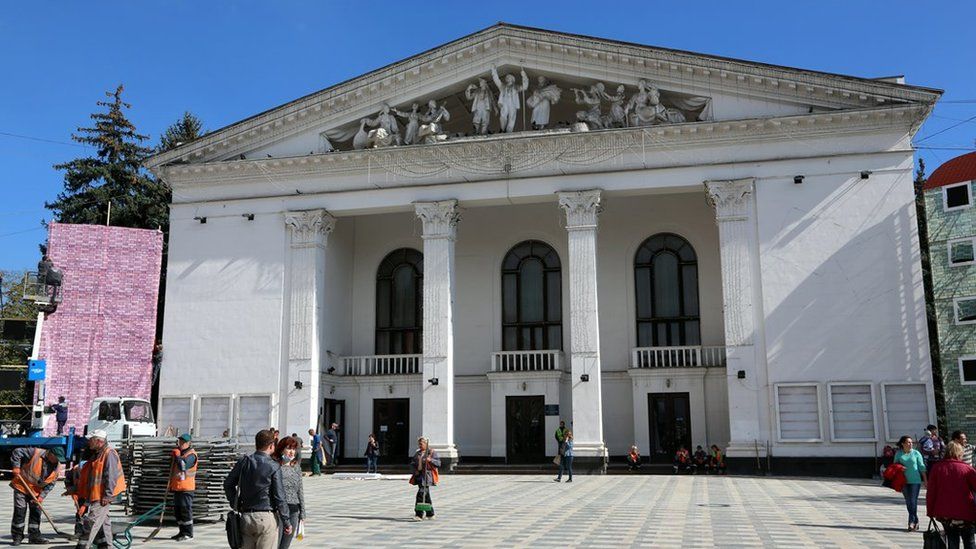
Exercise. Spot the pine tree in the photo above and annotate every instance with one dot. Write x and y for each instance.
(114, 174)
(186, 129)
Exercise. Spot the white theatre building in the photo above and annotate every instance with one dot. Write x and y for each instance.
(667, 248)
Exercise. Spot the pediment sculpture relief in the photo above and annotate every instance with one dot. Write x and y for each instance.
(480, 109)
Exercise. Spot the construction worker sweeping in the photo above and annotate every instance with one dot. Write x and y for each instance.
(100, 480)
(35, 472)
(182, 482)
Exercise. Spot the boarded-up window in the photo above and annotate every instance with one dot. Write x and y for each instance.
(214, 416)
(174, 415)
(851, 412)
(253, 414)
(906, 409)
(799, 412)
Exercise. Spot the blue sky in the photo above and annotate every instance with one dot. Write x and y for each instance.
(225, 61)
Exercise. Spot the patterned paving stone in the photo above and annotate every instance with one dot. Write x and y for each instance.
(610, 511)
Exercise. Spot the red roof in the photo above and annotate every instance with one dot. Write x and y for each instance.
(959, 169)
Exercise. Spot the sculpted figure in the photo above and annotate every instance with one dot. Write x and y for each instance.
(618, 113)
(482, 103)
(645, 108)
(430, 130)
(413, 124)
(386, 121)
(361, 137)
(591, 99)
(508, 98)
(541, 102)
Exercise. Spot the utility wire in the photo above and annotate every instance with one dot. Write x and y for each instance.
(43, 140)
(943, 130)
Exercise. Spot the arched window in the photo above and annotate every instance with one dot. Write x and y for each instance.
(531, 298)
(399, 300)
(666, 278)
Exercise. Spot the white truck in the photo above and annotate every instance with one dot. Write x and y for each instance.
(121, 418)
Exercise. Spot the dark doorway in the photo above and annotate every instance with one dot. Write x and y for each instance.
(669, 416)
(391, 425)
(335, 412)
(525, 429)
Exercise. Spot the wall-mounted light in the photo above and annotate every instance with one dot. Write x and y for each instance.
(585, 377)
(866, 174)
(741, 374)
(524, 386)
(797, 179)
(330, 370)
(249, 217)
(667, 382)
(202, 220)
(299, 385)
(433, 381)
(390, 387)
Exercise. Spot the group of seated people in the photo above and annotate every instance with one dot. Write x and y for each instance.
(700, 461)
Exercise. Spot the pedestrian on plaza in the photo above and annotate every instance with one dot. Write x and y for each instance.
(910, 458)
(566, 463)
(60, 414)
(72, 482)
(35, 471)
(700, 460)
(102, 480)
(286, 454)
(716, 461)
(932, 446)
(372, 453)
(560, 435)
(318, 453)
(332, 444)
(301, 446)
(424, 465)
(960, 438)
(949, 497)
(182, 483)
(633, 458)
(255, 488)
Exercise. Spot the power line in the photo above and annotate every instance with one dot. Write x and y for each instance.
(21, 232)
(946, 129)
(43, 140)
(923, 147)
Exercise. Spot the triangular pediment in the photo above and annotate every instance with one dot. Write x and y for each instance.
(615, 82)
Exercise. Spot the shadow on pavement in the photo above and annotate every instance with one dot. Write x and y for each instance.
(850, 527)
(387, 519)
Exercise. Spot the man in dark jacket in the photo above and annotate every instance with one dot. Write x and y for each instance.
(254, 487)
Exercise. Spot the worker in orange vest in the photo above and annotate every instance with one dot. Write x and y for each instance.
(101, 479)
(35, 472)
(182, 482)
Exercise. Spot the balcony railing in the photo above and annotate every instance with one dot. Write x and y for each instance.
(678, 357)
(526, 361)
(380, 365)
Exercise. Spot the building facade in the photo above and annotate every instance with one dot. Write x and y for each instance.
(952, 236)
(519, 227)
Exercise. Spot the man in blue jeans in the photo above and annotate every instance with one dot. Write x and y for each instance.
(318, 456)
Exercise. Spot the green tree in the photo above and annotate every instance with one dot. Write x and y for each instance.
(928, 288)
(114, 174)
(15, 349)
(184, 130)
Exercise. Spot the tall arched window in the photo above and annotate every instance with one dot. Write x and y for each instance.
(399, 300)
(531, 298)
(666, 277)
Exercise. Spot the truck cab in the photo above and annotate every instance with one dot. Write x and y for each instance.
(122, 417)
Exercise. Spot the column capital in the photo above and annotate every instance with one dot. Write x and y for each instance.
(582, 208)
(730, 197)
(439, 219)
(309, 227)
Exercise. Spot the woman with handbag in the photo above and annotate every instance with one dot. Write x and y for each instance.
(424, 463)
(949, 497)
(914, 465)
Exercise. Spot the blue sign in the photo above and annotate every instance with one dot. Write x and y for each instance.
(36, 370)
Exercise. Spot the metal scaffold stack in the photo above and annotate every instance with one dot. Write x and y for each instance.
(147, 466)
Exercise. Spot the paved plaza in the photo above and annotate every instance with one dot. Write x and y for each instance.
(593, 511)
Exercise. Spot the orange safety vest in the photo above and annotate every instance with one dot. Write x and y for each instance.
(91, 478)
(29, 478)
(184, 481)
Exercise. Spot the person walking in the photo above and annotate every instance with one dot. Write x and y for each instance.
(914, 465)
(35, 471)
(960, 438)
(566, 463)
(254, 488)
(932, 446)
(560, 435)
(949, 497)
(183, 482)
(332, 444)
(60, 414)
(318, 453)
(102, 480)
(424, 463)
(372, 453)
(286, 454)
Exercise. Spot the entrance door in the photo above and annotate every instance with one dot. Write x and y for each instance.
(525, 429)
(669, 417)
(391, 425)
(335, 412)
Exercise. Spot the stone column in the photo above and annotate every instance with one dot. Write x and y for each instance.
(582, 210)
(440, 231)
(734, 203)
(309, 234)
